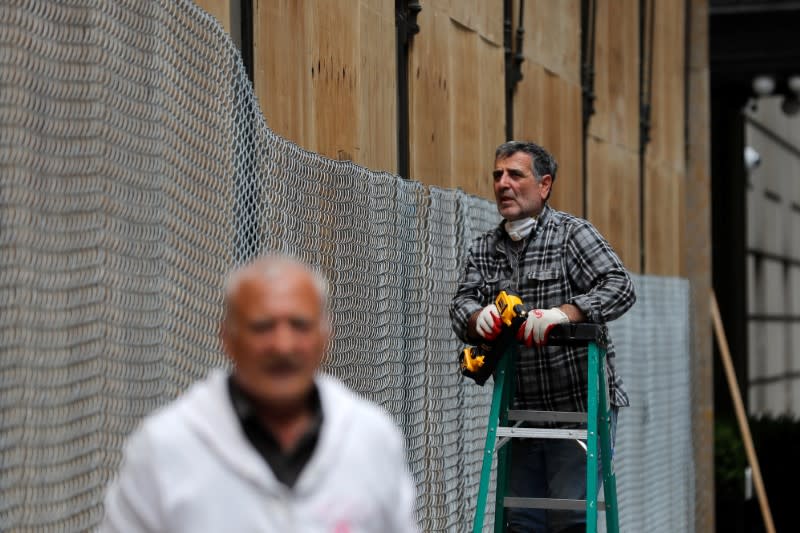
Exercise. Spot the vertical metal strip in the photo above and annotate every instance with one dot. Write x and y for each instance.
(591, 440)
(406, 12)
(503, 459)
(488, 449)
(606, 454)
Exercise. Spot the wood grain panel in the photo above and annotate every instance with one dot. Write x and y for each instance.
(530, 101)
(566, 124)
(668, 118)
(282, 70)
(616, 73)
(664, 197)
(465, 105)
(552, 35)
(464, 12)
(492, 108)
(325, 77)
(219, 9)
(429, 101)
(377, 146)
(613, 198)
(335, 92)
(547, 111)
(490, 21)
(665, 171)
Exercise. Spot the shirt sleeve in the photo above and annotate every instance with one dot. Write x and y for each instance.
(605, 288)
(468, 297)
(132, 502)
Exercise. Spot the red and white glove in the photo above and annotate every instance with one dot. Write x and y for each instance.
(538, 324)
(489, 324)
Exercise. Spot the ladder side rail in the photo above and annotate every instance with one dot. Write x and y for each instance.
(606, 453)
(503, 454)
(488, 449)
(591, 439)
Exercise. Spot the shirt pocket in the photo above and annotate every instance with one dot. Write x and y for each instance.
(544, 288)
(544, 275)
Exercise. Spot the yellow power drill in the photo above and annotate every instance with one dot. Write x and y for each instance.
(478, 362)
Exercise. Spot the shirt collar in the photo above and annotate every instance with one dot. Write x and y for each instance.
(244, 406)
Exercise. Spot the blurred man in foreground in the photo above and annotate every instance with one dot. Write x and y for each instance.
(275, 446)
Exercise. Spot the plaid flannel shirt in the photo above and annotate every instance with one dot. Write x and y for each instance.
(564, 260)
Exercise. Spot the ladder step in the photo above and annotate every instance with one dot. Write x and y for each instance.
(549, 503)
(540, 433)
(547, 416)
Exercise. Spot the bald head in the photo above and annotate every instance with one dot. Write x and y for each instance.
(274, 268)
(275, 329)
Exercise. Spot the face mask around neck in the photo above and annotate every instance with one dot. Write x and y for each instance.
(520, 229)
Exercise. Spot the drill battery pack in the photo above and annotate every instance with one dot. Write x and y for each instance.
(479, 362)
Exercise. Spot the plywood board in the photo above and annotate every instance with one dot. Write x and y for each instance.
(430, 91)
(325, 76)
(465, 13)
(492, 110)
(335, 94)
(490, 21)
(465, 104)
(563, 131)
(667, 144)
(616, 118)
(377, 134)
(219, 9)
(552, 35)
(547, 111)
(282, 67)
(664, 193)
(485, 17)
(529, 103)
(613, 198)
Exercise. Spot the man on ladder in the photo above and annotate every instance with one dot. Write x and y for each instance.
(564, 271)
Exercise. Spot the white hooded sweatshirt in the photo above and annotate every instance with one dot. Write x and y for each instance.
(190, 468)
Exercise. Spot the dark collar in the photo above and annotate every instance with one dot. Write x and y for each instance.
(245, 409)
(286, 465)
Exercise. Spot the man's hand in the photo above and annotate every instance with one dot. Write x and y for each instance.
(538, 324)
(488, 324)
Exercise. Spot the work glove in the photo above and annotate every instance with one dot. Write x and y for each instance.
(538, 324)
(489, 324)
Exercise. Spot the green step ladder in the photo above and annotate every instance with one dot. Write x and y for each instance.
(598, 426)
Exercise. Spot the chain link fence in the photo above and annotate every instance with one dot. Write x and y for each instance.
(136, 169)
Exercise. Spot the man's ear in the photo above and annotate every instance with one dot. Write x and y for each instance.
(546, 185)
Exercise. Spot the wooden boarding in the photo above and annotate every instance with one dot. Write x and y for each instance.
(377, 130)
(664, 197)
(665, 171)
(492, 115)
(430, 91)
(465, 108)
(564, 118)
(490, 21)
(219, 9)
(613, 198)
(552, 36)
(335, 96)
(326, 78)
(529, 102)
(283, 68)
(616, 119)
(668, 118)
